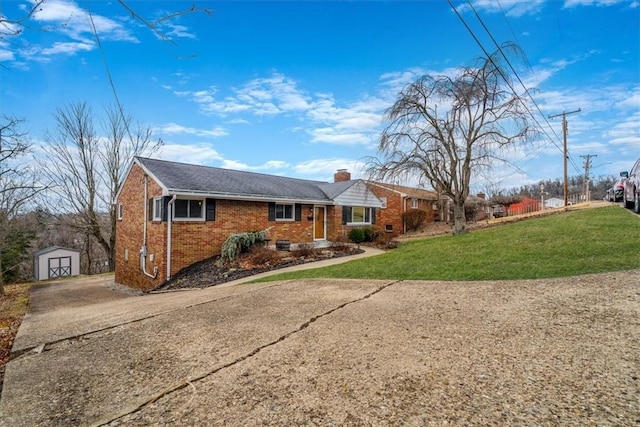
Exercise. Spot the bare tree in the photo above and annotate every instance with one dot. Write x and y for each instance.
(18, 190)
(442, 129)
(86, 170)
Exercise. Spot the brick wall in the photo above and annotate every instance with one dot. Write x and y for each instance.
(392, 214)
(129, 234)
(194, 241)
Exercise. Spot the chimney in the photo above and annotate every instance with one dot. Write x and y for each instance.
(481, 196)
(342, 175)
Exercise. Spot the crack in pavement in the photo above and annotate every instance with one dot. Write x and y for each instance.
(186, 383)
(35, 350)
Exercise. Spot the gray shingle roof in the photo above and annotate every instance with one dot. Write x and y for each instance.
(186, 178)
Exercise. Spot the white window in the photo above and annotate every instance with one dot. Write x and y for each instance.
(284, 212)
(120, 210)
(157, 209)
(384, 202)
(414, 203)
(188, 209)
(360, 215)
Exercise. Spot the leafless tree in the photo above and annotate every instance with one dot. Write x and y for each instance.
(85, 170)
(18, 190)
(442, 129)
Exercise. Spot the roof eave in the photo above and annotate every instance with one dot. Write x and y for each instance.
(245, 197)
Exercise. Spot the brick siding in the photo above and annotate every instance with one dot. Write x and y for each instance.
(194, 241)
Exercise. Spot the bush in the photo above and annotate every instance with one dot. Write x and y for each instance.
(414, 219)
(260, 255)
(240, 242)
(357, 235)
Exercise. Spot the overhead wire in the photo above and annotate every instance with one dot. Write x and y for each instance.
(507, 81)
(527, 92)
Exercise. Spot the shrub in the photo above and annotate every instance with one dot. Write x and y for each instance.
(357, 235)
(414, 219)
(260, 255)
(305, 250)
(240, 242)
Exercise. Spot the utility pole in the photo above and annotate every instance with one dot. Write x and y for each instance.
(587, 166)
(564, 115)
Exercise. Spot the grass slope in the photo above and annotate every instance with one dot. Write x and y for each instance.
(567, 244)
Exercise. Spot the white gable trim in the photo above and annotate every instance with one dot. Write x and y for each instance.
(358, 195)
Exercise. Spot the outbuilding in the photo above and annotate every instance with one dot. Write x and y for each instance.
(55, 262)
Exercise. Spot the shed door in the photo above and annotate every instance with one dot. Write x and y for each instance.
(59, 267)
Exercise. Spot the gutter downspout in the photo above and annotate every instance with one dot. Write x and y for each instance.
(404, 209)
(143, 249)
(169, 222)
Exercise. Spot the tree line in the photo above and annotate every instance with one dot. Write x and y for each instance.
(64, 193)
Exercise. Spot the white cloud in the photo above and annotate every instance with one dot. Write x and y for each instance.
(323, 169)
(68, 48)
(68, 18)
(512, 8)
(175, 129)
(270, 165)
(197, 154)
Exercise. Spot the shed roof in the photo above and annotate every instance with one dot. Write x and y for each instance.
(51, 249)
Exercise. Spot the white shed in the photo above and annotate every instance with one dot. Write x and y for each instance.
(55, 261)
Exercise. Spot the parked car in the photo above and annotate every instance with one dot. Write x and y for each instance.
(608, 195)
(631, 191)
(616, 193)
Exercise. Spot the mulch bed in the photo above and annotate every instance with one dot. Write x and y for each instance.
(210, 272)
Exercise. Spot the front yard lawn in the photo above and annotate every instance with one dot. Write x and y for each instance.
(566, 244)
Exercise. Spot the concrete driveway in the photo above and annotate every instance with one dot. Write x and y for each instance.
(330, 352)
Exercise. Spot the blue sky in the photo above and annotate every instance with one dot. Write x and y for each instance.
(300, 88)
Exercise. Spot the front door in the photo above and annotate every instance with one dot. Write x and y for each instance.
(319, 220)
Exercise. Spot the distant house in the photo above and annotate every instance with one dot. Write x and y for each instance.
(398, 199)
(553, 203)
(171, 215)
(56, 262)
(526, 205)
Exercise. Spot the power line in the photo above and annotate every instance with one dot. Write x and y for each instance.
(473, 35)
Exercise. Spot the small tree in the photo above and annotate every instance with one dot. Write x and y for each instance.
(441, 129)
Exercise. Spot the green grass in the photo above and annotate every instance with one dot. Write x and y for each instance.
(566, 244)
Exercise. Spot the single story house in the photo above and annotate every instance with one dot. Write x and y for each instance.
(398, 199)
(55, 262)
(171, 215)
(553, 203)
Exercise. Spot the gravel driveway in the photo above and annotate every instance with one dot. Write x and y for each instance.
(346, 352)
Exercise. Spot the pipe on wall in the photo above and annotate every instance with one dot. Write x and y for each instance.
(143, 249)
(169, 222)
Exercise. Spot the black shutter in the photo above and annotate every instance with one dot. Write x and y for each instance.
(165, 207)
(373, 215)
(298, 208)
(150, 210)
(346, 214)
(272, 211)
(211, 210)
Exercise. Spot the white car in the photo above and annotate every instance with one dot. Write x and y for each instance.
(631, 194)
